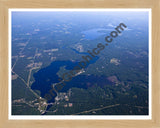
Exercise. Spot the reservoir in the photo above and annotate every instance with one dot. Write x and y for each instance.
(47, 76)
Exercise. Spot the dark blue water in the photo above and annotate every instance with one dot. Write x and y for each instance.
(45, 77)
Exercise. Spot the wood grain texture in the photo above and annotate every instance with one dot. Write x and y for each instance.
(153, 4)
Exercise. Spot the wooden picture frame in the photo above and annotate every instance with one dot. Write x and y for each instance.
(5, 5)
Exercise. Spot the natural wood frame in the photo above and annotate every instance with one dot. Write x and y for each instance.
(4, 8)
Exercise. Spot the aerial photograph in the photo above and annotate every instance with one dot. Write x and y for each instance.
(79, 62)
